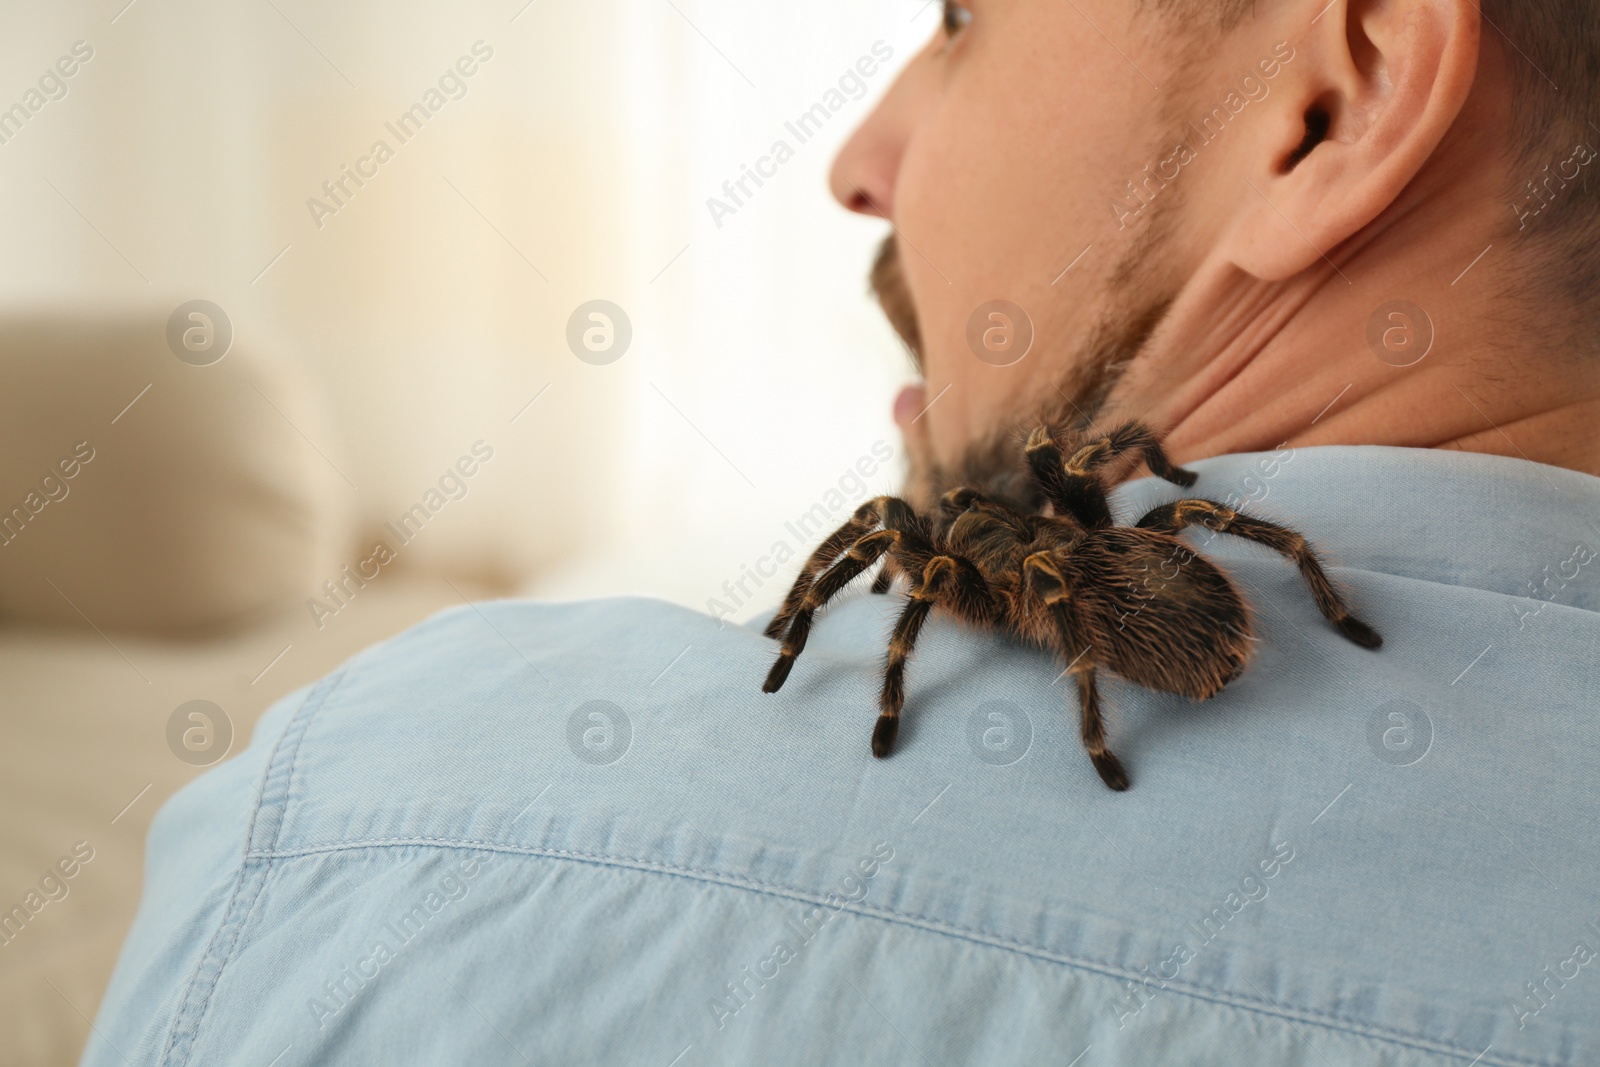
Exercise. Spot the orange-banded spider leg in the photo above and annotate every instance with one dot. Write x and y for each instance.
(948, 580)
(836, 542)
(1046, 581)
(882, 582)
(1073, 484)
(1079, 494)
(956, 501)
(1170, 518)
(1133, 435)
(887, 511)
(863, 554)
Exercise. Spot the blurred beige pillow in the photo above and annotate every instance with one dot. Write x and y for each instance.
(143, 492)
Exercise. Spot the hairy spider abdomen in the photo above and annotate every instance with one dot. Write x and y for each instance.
(1160, 614)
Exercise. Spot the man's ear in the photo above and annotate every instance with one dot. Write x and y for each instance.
(1375, 89)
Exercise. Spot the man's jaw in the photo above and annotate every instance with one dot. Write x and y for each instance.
(1081, 389)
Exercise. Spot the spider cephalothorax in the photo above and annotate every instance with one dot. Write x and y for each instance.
(1133, 599)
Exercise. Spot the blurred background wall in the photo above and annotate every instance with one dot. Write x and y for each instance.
(433, 304)
(377, 338)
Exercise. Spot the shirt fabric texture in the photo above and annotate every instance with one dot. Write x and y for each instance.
(580, 833)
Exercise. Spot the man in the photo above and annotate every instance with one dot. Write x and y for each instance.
(1345, 253)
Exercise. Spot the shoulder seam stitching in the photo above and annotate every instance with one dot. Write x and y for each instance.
(1309, 1016)
(195, 1002)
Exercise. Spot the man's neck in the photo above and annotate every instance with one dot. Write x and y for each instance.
(1243, 365)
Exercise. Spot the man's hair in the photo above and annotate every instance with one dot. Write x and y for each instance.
(1552, 50)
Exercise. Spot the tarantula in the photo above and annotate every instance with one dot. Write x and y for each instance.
(1066, 580)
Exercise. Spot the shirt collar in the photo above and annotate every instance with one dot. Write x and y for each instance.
(1512, 526)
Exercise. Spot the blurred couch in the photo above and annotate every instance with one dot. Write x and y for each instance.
(182, 542)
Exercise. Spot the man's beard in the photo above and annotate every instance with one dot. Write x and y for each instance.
(1138, 298)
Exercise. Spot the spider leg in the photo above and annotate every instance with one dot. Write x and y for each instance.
(863, 554)
(1076, 494)
(956, 501)
(1131, 436)
(1045, 579)
(883, 510)
(836, 542)
(1173, 517)
(1073, 483)
(882, 582)
(945, 579)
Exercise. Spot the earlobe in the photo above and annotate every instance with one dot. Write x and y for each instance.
(1378, 88)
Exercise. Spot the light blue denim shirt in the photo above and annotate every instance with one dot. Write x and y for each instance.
(579, 833)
